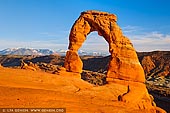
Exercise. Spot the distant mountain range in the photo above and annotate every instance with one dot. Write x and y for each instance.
(42, 52)
(26, 51)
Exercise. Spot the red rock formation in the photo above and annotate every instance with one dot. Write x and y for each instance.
(124, 62)
(124, 67)
(148, 64)
(26, 66)
(1, 66)
(73, 62)
(156, 63)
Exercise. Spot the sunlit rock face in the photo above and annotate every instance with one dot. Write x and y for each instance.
(124, 62)
(73, 62)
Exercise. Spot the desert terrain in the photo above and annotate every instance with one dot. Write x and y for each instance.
(52, 87)
(37, 89)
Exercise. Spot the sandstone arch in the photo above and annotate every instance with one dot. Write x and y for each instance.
(124, 62)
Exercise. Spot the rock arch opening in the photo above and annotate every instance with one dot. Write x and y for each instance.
(123, 63)
(94, 45)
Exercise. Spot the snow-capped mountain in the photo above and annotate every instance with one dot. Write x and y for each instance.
(26, 51)
(82, 52)
(29, 51)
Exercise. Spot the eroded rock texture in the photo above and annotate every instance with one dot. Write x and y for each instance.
(124, 62)
(73, 62)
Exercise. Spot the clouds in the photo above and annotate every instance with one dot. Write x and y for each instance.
(56, 34)
(130, 29)
(50, 44)
(95, 43)
(49, 40)
(142, 40)
(151, 41)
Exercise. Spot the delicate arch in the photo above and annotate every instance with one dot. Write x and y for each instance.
(124, 62)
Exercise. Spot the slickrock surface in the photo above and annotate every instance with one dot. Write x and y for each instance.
(26, 88)
(124, 62)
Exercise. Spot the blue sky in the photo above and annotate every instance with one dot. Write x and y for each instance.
(47, 23)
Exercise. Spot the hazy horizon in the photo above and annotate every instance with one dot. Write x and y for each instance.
(46, 24)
